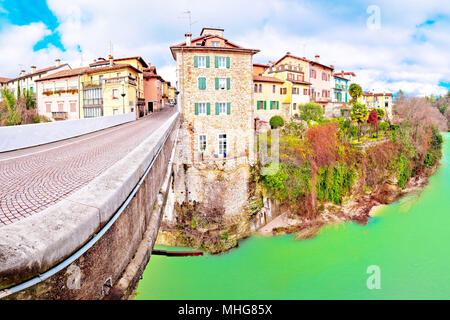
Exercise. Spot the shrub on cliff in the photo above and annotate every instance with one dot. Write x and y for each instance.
(310, 111)
(276, 122)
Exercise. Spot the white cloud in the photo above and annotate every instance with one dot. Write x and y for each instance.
(385, 59)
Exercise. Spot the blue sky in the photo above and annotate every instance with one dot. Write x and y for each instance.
(410, 49)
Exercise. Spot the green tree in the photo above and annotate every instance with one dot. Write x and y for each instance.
(355, 92)
(310, 111)
(12, 115)
(276, 121)
(18, 89)
(30, 99)
(359, 114)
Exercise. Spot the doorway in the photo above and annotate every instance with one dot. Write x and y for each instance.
(150, 106)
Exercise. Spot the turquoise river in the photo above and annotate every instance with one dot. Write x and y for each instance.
(408, 240)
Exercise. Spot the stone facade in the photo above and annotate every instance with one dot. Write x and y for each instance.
(209, 174)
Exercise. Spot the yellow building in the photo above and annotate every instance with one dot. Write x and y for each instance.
(294, 72)
(267, 97)
(172, 95)
(109, 89)
(378, 100)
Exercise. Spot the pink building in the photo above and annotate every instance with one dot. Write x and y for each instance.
(322, 82)
(153, 90)
(57, 95)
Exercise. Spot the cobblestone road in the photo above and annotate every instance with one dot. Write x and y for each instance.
(36, 178)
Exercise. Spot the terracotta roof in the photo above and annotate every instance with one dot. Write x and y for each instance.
(261, 65)
(320, 64)
(299, 82)
(290, 56)
(114, 67)
(65, 73)
(3, 80)
(337, 75)
(267, 79)
(139, 58)
(234, 47)
(349, 73)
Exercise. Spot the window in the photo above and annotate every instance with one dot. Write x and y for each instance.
(115, 93)
(256, 88)
(73, 106)
(100, 79)
(222, 108)
(260, 88)
(115, 112)
(202, 83)
(222, 83)
(222, 62)
(48, 107)
(215, 44)
(223, 144)
(60, 106)
(202, 142)
(305, 92)
(202, 62)
(294, 106)
(273, 105)
(273, 89)
(202, 108)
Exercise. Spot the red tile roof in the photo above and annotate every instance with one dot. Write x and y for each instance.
(299, 82)
(3, 80)
(267, 79)
(139, 58)
(65, 73)
(113, 67)
(40, 71)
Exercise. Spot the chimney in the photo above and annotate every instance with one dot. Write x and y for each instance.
(331, 66)
(317, 57)
(111, 60)
(22, 72)
(288, 53)
(58, 62)
(188, 39)
(33, 69)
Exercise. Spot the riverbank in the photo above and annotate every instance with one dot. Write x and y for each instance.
(359, 210)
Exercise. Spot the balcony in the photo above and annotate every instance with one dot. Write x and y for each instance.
(92, 111)
(118, 80)
(92, 84)
(59, 115)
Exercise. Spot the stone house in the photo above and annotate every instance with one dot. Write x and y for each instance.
(216, 139)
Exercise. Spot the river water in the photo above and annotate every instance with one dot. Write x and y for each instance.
(408, 242)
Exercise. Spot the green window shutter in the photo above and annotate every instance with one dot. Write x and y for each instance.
(228, 108)
(228, 62)
(216, 61)
(200, 83)
(196, 109)
(207, 61)
(208, 108)
(265, 105)
(217, 83)
(228, 83)
(278, 105)
(257, 105)
(217, 108)
(271, 103)
(204, 83)
(195, 62)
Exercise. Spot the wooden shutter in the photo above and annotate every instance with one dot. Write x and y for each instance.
(195, 62)
(228, 62)
(208, 108)
(271, 102)
(228, 108)
(216, 61)
(257, 105)
(217, 108)
(196, 108)
(217, 83)
(278, 105)
(228, 83)
(207, 61)
(265, 105)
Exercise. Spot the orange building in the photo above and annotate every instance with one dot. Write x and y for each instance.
(153, 90)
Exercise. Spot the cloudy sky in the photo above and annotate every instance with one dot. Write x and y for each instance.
(389, 44)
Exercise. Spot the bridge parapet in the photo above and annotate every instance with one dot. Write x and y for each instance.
(87, 239)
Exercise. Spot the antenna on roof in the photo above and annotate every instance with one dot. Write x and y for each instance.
(111, 47)
(188, 16)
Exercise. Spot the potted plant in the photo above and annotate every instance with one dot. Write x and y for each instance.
(202, 148)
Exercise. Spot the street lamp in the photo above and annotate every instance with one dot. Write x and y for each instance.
(123, 95)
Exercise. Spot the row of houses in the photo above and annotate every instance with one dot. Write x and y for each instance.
(105, 87)
(223, 93)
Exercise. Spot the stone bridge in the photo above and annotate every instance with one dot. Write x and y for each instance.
(79, 217)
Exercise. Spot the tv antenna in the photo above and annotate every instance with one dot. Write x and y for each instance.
(111, 48)
(188, 15)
